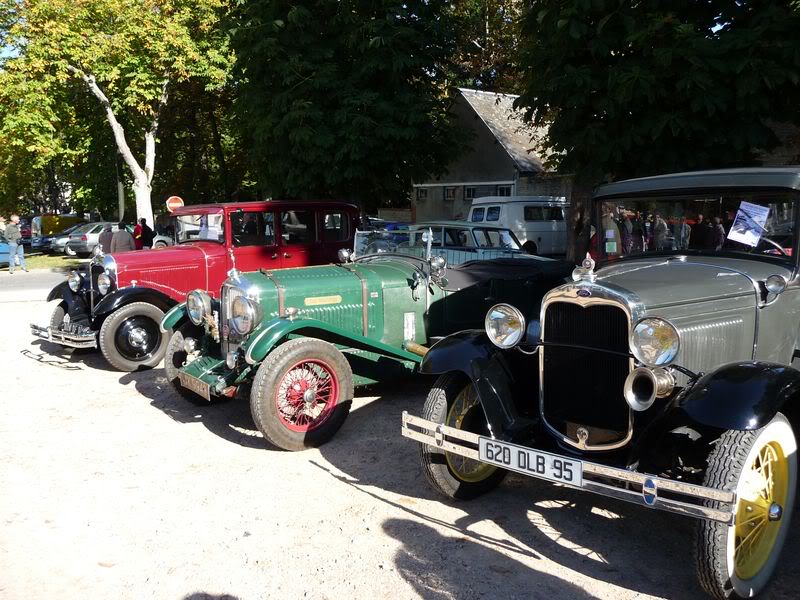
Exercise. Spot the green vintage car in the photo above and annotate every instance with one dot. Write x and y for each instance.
(297, 341)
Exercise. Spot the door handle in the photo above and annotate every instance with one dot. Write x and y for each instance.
(274, 256)
(287, 255)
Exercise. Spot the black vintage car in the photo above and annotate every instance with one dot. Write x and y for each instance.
(663, 377)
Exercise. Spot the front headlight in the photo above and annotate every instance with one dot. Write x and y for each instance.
(244, 315)
(104, 283)
(74, 281)
(198, 305)
(505, 325)
(655, 342)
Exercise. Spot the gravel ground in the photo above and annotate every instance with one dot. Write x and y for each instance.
(112, 486)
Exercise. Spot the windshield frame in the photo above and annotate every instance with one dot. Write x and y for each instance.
(792, 195)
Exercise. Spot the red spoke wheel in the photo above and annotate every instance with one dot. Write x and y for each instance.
(301, 394)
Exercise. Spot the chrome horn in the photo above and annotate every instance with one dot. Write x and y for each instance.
(644, 385)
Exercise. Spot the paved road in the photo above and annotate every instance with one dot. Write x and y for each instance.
(113, 486)
(21, 286)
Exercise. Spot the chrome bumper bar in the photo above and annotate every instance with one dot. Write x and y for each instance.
(65, 338)
(647, 490)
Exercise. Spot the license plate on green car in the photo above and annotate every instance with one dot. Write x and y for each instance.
(198, 386)
(531, 462)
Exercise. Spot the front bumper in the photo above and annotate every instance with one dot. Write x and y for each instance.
(678, 497)
(65, 338)
(211, 371)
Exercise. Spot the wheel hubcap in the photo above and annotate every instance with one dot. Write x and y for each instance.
(137, 337)
(466, 414)
(762, 494)
(307, 395)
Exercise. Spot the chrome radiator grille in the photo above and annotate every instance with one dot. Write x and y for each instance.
(229, 339)
(582, 386)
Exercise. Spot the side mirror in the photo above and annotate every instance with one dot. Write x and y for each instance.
(344, 255)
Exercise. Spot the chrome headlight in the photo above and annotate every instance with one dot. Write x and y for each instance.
(104, 283)
(198, 305)
(74, 281)
(505, 325)
(244, 315)
(655, 342)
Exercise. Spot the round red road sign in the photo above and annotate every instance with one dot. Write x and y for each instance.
(174, 202)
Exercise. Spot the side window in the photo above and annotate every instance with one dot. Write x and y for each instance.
(298, 227)
(335, 227)
(477, 215)
(252, 229)
(493, 213)
(555, 213)
(457, 238)
(533, 213)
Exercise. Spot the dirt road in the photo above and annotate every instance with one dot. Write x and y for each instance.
(112, 486)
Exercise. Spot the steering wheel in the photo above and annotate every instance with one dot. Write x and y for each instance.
(380, 246)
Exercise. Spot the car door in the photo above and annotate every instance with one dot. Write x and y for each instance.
(335, 232)
(253, 240)
(298, 234)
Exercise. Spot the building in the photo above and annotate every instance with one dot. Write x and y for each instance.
(500, 160)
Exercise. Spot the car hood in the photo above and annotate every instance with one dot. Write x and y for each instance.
(660, 282)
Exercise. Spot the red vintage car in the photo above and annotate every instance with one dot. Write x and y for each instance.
(117, 303)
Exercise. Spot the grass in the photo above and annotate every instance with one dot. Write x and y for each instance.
(58, 262)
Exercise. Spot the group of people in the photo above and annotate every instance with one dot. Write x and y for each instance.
(13, 235)
(631, 232)
(122, 241)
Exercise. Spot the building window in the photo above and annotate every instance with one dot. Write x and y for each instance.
(450, 193)
(422, 194)
(503, 190)
(469, 193)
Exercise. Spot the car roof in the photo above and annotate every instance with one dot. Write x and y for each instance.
(755, 177)
(468, 224)
(194, 208)
(515, 199)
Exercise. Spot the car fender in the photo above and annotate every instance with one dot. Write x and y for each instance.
(119, 298)
(174, 317)
(269, 334)
(742, 396)
(471, 353)
(57, 293)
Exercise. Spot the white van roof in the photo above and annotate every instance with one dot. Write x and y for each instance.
(548, 200)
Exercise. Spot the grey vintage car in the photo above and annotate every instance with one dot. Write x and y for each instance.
(684, 339)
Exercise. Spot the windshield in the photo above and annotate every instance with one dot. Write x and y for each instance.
(497, 238)
(410, 243)
(756, 223)
(205, 227)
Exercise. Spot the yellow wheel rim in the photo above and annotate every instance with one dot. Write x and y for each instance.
(764, 483)
(465, 469)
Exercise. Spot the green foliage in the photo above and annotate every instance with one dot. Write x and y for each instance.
(346, 99)
(636, 88)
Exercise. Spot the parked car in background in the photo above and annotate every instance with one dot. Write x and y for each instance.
(83, 240)
(537, 221)
(460, 241)
(116, 303)
(4, 250)
(44, 227)
(54, 243)
(662, 378)
(25, 230)
(298, 340)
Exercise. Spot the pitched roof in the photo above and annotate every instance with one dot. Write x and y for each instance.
(506, 124)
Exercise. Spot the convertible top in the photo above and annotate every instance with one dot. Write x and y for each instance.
(477, 271)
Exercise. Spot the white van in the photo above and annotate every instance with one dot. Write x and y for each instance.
(538, 221)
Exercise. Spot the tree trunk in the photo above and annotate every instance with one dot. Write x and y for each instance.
(579, 223)
(144, 208)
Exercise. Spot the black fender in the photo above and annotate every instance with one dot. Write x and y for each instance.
(57, 293)
(119, 298)
(742, 396)
(471, 353)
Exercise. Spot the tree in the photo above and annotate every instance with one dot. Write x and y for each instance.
(128, 54)
(346, 98)
(637, 88)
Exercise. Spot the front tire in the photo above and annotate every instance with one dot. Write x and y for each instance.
(131, 339)
(301, 394)
(737, 561)
(59, 316)
(453, 401)
(176, 357)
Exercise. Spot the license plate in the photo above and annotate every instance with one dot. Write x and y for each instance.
(194, 384)
(531, 462)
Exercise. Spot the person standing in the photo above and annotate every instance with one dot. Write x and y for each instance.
(682, 234)
(122, 241)
(147, 234)
(105, 238)
(137, 236)
(660, 231)
(14, 239)
(718, 234)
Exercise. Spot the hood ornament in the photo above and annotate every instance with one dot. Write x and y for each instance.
(584, 272)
